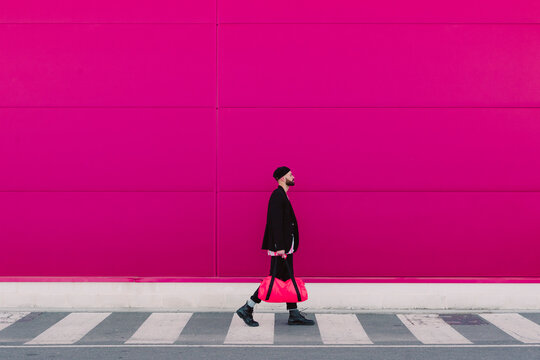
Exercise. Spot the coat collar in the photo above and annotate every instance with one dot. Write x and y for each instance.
(284, 192)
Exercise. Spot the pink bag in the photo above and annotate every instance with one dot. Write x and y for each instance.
(276, 290)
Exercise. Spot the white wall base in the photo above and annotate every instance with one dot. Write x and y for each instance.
(83, 296)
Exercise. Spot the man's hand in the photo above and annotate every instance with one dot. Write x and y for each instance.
(281, 253)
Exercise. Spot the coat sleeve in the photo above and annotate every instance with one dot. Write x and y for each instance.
(277, 213)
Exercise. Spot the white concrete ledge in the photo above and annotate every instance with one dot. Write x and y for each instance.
(125, 296)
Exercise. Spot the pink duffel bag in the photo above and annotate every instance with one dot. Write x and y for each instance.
(275, 290)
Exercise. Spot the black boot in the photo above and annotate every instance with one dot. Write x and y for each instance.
(246, 314)
(296, 318)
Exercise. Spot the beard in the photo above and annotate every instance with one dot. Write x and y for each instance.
(289, 182)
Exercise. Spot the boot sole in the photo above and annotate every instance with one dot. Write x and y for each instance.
(299, 323)
(241, 316)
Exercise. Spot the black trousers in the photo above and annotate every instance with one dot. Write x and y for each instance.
(281, 274)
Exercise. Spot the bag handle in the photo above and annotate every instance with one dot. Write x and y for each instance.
(293, 281)
(274, 273)
(274, 266)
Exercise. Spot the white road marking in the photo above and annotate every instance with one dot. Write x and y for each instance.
(70, 329)
(240, 333)
(160, 328)
(431, 329)
(8, 318)
(341, 329)
(516, 326)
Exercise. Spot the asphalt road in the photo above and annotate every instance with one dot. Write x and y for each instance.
(221, 335)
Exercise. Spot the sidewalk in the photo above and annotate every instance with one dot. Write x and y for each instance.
(191, 297)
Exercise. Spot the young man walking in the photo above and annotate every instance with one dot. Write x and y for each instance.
(281, 241)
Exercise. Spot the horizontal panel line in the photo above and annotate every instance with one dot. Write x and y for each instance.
(270, 107)
(107, 23)
(270, 190)
(379, 107)
(105, 191)
(387, 191)
(108, 107)
(268, 23)
(379, 23)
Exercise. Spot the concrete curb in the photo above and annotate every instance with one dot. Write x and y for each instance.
(125, 296)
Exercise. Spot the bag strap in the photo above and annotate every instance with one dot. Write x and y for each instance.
(274, 273)
(293, 281)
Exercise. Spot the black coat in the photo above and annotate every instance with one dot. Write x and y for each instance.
(280, 223)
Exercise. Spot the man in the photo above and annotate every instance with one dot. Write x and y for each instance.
(281, 241)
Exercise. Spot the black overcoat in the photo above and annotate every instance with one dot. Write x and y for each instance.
(280, 223)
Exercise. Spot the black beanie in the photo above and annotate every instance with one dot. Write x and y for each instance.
(280, 171)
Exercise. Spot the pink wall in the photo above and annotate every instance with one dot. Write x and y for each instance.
(137, 140)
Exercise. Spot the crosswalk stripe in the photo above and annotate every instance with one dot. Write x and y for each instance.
(8, 318)
(334, 329)
(160, 328)
(516, 326)
(70, 329)
(341, 329)
(431, 329)
(240, 333)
